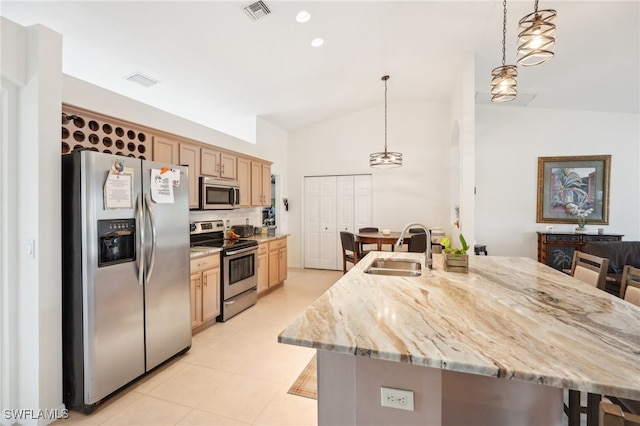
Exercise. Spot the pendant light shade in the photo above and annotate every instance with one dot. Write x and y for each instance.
(537, 37)
(386, 159)
(504, 79)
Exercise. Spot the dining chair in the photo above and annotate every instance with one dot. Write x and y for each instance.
(350, 250)
(373, 246)
(418, 242)
(630, 286)
(589, 269)
(613, 415)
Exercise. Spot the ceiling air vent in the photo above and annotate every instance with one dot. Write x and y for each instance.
(141, 79)
(257, 10)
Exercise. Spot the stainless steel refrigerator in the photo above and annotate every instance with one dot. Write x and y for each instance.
(125, 271)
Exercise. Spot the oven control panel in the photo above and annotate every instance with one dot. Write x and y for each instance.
(206, 227)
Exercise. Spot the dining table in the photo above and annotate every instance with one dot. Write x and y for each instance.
(379, 238)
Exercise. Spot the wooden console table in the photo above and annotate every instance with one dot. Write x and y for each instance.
(556, 249)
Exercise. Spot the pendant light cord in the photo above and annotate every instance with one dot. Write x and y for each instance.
(385, 78)
(504, 29)
(385, 115)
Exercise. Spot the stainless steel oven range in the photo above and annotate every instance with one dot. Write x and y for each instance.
(239, 279)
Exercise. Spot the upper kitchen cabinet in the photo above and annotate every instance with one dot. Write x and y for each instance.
(244, 179)
(260, 184)
(217, 164)
(87, 129)
(165, 151)
(190, 156)
(210, 162)
(228, 166)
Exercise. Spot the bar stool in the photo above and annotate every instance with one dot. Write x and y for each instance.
(480, 249)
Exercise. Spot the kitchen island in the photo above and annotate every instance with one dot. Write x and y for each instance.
(495, 346)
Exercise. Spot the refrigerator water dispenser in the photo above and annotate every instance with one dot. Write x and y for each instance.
(117, 241)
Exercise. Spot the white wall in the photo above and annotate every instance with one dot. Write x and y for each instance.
(509, 141)
(461, 151)
(417, 191)
(31, 351)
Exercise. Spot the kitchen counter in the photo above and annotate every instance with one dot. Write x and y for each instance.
(263, 238)
(195, 252)
(508, 318)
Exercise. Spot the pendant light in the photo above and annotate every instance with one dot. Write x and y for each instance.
(504, 79)
(536, 37)
(386, 159)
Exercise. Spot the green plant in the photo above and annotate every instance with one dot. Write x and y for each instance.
(446, 246)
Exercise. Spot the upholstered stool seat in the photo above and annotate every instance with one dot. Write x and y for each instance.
(480, 249)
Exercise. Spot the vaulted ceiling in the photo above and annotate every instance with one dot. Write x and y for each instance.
(218, 67)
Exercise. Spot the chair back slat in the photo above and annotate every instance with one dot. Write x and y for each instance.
(369, 229)
(590, 269)
(630, 286)
(418, 243)
(350, 249)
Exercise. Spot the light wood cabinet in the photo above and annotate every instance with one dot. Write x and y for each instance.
(190, 156)
(263, 267)
(216, 163)
(260, 184)
(277, 261)
(228, 166)
(254, 174)
(205, 290)
(165, 150)
(243, 166)
(210, 162)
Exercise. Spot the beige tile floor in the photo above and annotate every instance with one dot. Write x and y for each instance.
(236, 372)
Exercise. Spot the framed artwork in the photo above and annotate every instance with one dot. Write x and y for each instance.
(574, 189)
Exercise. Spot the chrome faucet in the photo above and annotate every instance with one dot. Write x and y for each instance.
(428, 259)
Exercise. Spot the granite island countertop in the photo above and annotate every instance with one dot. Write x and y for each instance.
(509, 317)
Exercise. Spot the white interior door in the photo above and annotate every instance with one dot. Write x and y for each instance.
(333, 204)
(345, 205)
(328, 225)
(362, 201)
(312, 222)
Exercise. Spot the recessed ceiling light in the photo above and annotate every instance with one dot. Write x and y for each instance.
(303, 16)
(317, 42)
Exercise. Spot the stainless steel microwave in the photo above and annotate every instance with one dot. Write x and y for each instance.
(218, 194)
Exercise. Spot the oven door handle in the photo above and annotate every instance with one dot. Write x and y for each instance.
(240, 251)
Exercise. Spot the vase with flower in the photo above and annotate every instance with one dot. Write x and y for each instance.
(582, 222)
(580, 213)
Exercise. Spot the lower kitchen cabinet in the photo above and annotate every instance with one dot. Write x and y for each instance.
(205, 290)
(263, 267)
(277, 261)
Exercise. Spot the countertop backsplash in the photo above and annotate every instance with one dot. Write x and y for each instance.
(234, 217)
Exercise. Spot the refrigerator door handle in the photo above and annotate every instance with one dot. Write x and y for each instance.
(154, 238)
(140, 241)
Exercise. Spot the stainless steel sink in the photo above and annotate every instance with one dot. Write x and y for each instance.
(395, 267)
(410, 265)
